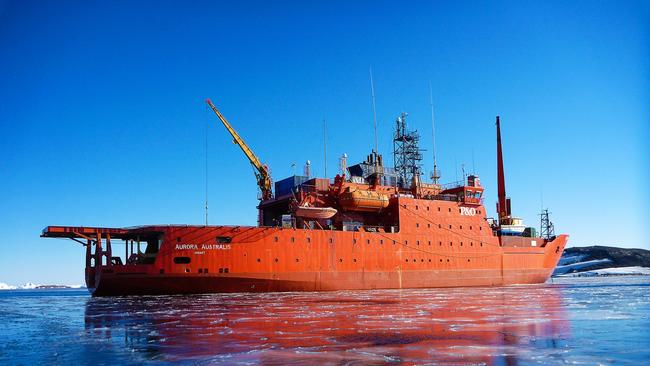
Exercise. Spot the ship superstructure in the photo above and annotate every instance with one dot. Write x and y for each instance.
(370, 227)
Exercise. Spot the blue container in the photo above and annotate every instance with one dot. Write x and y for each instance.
(287, 185)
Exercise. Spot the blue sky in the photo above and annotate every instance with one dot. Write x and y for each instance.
(103, 119)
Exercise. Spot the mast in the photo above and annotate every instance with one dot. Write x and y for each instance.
(503, 205)
(325, 146)
(374, 110)
(435, 175)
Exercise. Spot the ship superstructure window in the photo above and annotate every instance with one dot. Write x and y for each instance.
(224, 239)
(354, 241)
(293, 239)
(308, 240)
(182, 260)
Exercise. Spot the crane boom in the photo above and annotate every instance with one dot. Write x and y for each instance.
(261, 170)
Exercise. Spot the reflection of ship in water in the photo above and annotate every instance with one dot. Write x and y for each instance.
(477, 325)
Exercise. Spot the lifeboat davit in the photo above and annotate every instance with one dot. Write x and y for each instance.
(319, 213)
(367, 201)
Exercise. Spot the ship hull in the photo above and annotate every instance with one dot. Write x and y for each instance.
(114, 285)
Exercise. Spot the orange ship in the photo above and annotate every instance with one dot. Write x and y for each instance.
(372, 227)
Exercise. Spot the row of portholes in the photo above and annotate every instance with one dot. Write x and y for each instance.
(449, 209)
(259, 260)
(460, 227)
(381, 242)
(422, 260)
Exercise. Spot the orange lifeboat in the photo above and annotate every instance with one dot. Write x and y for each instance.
(367, 201)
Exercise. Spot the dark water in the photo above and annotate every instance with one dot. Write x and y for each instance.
(577, 321)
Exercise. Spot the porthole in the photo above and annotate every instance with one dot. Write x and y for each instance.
(417, 242)
(449, 226)
(406, 242)
(407, 260)
(354, 260)
(470, 227)
(293, 239)
(182, 260)
(429, 242)
(429, 226)
(461, 243)
(451, 244)
(417, 224)
(331, 240)
(297, 260)
(461, 227)
(440, 243)
(354, 241)
(341, 260)
(276, 239)
(367, 241)
(259, 260)
(441, 261)
(449, 209)
(447, 260)
(429, 260)
(276, 260)
(438, 209)
(381, 241)
(308, 240)
(468, 260)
